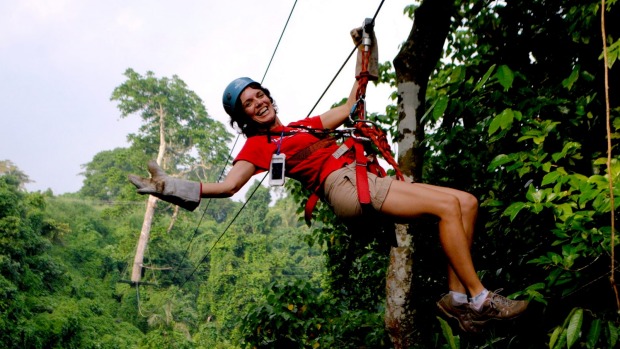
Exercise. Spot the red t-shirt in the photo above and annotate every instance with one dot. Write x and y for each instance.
(313, 170)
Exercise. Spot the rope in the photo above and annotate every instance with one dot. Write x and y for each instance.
(371, 130)
(379, 138)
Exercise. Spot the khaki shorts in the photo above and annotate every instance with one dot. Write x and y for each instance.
(340, 191)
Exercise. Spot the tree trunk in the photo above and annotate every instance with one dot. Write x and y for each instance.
(398, 313)
(173, 220)
(413, 64)
(136, 274)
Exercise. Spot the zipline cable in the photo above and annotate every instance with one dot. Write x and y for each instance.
(204, 212)
(332, 81)
(224, 232)
(251, 195)
(343, 64)
(278, 44)
(230, 155)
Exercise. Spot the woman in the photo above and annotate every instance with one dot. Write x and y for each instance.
(328, 169)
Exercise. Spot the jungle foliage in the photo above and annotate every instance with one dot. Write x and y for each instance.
(516, 115)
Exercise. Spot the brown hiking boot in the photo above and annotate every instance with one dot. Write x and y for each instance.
(460, 312)
(496, 307)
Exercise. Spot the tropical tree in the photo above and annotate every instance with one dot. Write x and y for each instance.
(255, 215)
(7, 167)
(26, 271)
(507, 101)
(517, 103)
(175, 127)
(105, 176)
(52, 277)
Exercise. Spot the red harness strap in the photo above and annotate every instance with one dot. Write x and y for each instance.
(374, 134)
(362, 167)
(312, 200)
(361, 174)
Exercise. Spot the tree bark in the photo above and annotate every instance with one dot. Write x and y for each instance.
(413, 64)
(398, 315)
(136, 274)
(175, 215)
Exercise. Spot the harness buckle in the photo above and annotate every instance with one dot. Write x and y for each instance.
(340, 151)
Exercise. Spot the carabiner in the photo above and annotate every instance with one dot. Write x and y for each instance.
(354, 108)
(351, 133)
(366, 121)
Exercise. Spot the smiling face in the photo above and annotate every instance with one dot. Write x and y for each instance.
(258, 106)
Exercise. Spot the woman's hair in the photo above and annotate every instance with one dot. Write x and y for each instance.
(242, 122)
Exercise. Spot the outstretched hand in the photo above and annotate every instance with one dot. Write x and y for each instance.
(153, 185)
(183, 193)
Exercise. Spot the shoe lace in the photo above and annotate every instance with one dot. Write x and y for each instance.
(500, 300)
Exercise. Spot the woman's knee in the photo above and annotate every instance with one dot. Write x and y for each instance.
(451, 207)
(469, 204)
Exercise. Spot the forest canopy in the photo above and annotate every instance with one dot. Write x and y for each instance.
(519, 108)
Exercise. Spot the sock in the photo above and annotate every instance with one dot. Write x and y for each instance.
(476, 302)
(458, 297)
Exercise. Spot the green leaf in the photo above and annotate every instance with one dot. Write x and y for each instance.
(554, 337)
(505, 76)
(613, 334)
(495, 125)
(440, 107)
(485, 78)
(429, 110)
(534, 195)
(568, 82)
(500, 160)
(613, 52)
(457, 75)
(593, 334)
(447, 333)
(574, 327)
(551, 177)
(561, 341)
(503, 120)
(565, 210)
(514, 209)
(507, 117)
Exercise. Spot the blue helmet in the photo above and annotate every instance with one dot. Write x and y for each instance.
(233, 91)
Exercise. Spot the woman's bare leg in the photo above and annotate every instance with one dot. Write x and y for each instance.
(469, 213)
(456, 211)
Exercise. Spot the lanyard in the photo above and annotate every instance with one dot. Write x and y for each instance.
(280, 141)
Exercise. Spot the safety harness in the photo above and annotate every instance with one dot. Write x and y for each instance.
(363, 131)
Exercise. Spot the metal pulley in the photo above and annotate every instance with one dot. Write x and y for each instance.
(367, 28)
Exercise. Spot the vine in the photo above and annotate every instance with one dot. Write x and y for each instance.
(611, 177)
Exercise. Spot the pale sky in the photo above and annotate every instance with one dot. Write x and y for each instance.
(60, 60)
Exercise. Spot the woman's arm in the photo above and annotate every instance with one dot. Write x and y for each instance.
(335, 117)
(238, 176)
